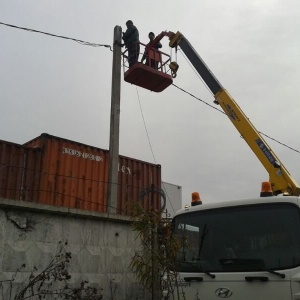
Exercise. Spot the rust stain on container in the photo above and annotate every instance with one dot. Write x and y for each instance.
(76, 175)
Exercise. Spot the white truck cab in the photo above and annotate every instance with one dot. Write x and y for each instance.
(239, 250)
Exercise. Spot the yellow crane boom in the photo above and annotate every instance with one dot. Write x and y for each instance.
(279, 177)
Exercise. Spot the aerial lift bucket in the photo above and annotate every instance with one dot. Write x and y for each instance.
(152, 75)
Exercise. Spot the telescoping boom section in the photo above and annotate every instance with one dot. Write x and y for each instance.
(281, 180)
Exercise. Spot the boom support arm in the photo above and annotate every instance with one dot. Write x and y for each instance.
(280, 178)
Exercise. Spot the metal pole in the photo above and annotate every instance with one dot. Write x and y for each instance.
(114, 124)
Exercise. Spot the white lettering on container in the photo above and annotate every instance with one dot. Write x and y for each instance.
(84, 155)
(124, 169)
(77, 153)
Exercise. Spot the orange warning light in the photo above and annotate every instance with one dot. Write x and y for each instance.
(196, 199)
(266, 190)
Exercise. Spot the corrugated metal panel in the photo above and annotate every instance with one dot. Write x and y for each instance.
(136, 178)
(19, 169)
(76, 175)
(72, 174)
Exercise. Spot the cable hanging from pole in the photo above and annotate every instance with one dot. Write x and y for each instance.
(85, 43)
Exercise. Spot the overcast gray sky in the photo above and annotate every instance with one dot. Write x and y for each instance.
(63, 88)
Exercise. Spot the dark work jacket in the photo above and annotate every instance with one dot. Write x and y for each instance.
(131, 36)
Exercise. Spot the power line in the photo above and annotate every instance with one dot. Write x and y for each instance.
(221, 110)
(150, 145)
(225, 114)
(279, 142)
(145, 126)
(198, 99)
(58, 36)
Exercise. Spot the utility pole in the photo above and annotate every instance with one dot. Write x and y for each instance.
(114, 123)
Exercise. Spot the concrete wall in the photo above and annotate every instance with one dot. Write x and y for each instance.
(101, 245)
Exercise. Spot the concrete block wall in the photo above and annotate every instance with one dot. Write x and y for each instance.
(101, 245)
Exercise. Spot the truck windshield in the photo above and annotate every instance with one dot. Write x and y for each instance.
(234, 239)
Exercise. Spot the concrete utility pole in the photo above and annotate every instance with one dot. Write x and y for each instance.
(114, 123)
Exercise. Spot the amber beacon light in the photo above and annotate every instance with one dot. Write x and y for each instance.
(266, 190)
(196, 199)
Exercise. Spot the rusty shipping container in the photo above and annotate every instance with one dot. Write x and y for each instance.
(76, 175)
(19, 171)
